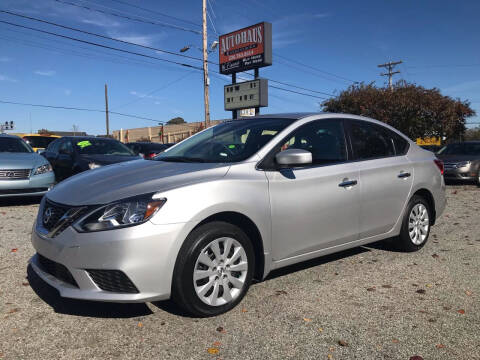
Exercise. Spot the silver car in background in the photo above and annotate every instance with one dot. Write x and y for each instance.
(232, 203)
(22, 171)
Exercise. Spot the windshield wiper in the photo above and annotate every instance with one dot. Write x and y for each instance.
(180, 159)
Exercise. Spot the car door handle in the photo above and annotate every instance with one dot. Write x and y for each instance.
(347, 183)
(404, 175)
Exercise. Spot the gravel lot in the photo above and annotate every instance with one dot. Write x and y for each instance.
(366, 303)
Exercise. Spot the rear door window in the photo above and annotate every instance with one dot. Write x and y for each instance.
(370, 141)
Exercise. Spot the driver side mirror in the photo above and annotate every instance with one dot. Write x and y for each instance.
(293, 157)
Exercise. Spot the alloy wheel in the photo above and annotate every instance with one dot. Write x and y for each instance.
(220, 271)
(418, 224)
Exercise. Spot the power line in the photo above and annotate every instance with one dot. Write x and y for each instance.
(316, 69)
(130, 17)
(278, 88)
(390, 66)
(156, 90)
(78, 109)
(156, 12)
(100, 45)
(99, 35)
(135, 53)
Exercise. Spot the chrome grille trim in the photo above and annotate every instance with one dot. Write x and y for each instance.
(15, 174)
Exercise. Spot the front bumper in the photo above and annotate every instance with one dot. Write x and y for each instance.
(146, 254)
(36, 185)
(459, 175)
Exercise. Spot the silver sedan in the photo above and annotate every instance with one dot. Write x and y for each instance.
(233, 203)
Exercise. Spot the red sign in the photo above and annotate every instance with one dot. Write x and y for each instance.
(246, 49)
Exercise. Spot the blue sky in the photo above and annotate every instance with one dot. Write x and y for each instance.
(437, 40)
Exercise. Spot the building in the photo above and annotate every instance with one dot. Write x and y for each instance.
(171, 133)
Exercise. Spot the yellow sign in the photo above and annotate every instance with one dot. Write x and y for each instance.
(429, 141)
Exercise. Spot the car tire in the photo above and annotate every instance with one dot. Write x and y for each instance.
(415, 226)
(213, 270)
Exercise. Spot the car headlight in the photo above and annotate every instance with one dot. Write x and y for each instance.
(128, 212)
(463, 164)
(42, 169)
(93, 165)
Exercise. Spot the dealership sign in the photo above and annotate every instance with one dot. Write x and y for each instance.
(246, 49)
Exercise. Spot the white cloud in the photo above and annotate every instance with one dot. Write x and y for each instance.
(101, 22)
(145, 96)
(7, 78)
(322, 15)
(45, 72)
(5, 59)
(67, 92)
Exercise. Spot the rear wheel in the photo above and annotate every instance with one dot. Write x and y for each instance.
(416, 225)
(214, 269)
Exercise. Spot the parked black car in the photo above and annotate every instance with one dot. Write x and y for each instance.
(74, 154)
(432, 148)
(462, 161)
(147, 150)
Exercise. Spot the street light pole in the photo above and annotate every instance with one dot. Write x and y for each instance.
(205, 65)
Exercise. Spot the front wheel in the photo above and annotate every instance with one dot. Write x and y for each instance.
(214, 269)
(416, 225)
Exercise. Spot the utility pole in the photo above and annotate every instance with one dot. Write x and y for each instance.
(205, 65)
(106, 110)
(390, 66)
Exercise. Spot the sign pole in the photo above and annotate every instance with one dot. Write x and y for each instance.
(256, 73)
(234, 81)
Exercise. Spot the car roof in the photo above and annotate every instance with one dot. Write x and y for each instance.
(9, 136)
(44, 135)
(87, 138)
(466, 142)
(292, 116)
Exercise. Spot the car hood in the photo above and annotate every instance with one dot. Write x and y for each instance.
(20, 160)
(106, 184)
(457, 158)
(108, 159)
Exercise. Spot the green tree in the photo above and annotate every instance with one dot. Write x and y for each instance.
(412, 109)
(175, 121)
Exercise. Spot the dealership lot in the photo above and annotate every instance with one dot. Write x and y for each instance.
(365, 303)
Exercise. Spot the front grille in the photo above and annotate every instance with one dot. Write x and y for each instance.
(15, 174)
(113, 281)
(56, 218)
(57, 270)
(52, 213)
(22, 191)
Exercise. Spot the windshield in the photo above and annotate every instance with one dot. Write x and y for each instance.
(461, 149)
(39, 141)
(101, 147)
(13, 145)
(228, 142)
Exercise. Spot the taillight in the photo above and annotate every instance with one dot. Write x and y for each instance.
(439, 164)
(150, 156)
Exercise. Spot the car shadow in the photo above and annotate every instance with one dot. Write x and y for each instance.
(85, 308)
(315, 262)
(118, 310)
(20, 201)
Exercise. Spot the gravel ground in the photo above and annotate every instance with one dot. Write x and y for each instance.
(365, 303)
